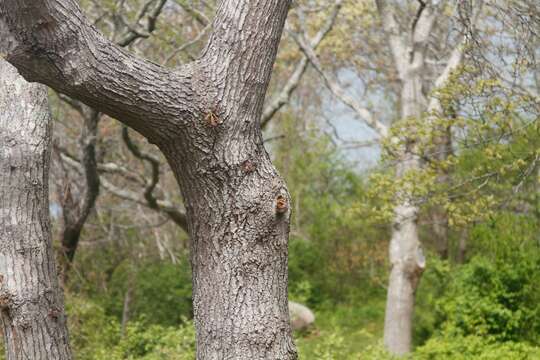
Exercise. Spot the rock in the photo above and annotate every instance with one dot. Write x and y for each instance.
(301, 316)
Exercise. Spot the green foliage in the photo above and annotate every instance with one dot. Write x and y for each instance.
(96, 336)
(332, 248)
(92, 332)
(489, 307)
(157, 342)
(497, 300)
(474, 347)
(161, 292)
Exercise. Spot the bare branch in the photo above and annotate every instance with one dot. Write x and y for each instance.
(150, 159)
(333, 84)
(76, 211)
(175, 213)
(151, 19)
(196, 14)
(284, 96)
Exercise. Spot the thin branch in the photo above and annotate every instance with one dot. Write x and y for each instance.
(166, 207)
(151, 160)
(284, 96)
(454, 60)
(196, 14)
(151, 18)
(333, 84)
(184, 46)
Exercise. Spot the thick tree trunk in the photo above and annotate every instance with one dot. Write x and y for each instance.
(239, 222)
(31, 303)
(406, 256)
(205, 118)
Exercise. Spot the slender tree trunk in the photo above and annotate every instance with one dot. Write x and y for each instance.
(439, 215)
(406, 256)
(77, 209)
(462, 247)
(439, 219)
(205, 118)
(31, 303)
(126, 310)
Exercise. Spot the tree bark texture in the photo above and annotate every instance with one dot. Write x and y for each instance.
(406, 255)
(205, 118)
(31, 301)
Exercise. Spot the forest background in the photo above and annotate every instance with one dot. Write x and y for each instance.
(335, 91)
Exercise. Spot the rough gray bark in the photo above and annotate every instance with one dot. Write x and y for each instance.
(205, 118)
(31, 302)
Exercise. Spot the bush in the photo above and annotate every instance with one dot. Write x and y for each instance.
(96, 336)
(157, 342)
(475, 347)
(92, 333)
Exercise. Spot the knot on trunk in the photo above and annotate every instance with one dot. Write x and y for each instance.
(6, 298)
(248, 166)
(212, 117)
(414, 265)
(282, 205)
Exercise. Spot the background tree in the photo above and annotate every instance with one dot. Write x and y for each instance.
(416, 79)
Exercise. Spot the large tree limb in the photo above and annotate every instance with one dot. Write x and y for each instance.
(408, 51)
(394, 34)
(206, 121)
(57, 46)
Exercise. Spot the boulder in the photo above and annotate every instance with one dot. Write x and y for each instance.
(301, 316)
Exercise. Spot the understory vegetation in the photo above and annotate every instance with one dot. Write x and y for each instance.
(124, 301)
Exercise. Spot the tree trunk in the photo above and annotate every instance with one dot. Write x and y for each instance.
(462, 247)
(205, 118)
(239, 222)
(439, 215)
(406, 256)
(31, 302)
(76, 210)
